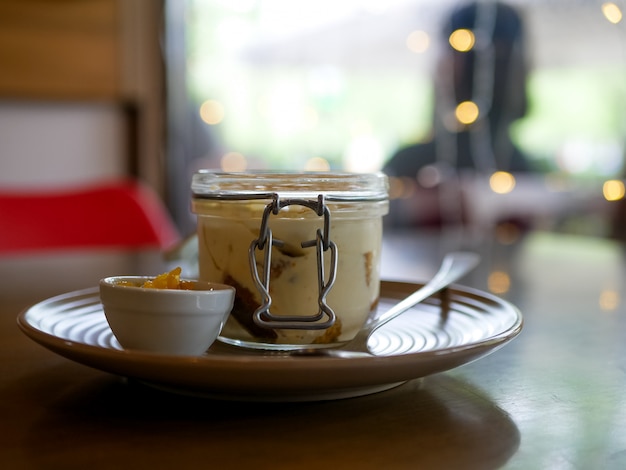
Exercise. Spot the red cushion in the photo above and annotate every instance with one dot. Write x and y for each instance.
(118, 214)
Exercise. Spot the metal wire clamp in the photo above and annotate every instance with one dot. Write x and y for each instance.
(262, 315)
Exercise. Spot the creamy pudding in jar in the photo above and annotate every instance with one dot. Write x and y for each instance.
(230, 210)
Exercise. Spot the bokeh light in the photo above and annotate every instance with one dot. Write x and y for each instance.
(612, 12)
(499, 282)
(502, 182)
(212, 112)
(401, 188)
(507, 233)
(317, 164)
(613, 190)
(609, 300)
(462, 40)
(233, 161)
(467, 112)
(418, 41)
(429, 176)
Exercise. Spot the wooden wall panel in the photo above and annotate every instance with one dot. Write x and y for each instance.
(90, 51)
(60, 49)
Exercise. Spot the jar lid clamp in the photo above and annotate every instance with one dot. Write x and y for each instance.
(262, 316)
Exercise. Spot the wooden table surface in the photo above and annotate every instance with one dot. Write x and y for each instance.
(555, 397)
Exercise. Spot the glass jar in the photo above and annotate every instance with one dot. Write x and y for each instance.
(301, 249)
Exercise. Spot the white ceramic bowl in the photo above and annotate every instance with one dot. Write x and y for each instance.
(168, 321)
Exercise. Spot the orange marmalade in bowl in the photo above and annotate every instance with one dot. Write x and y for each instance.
(167, 280)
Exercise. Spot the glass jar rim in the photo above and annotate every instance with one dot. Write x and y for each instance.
(334, 186)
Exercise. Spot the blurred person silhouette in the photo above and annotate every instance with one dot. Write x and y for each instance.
(490, 71)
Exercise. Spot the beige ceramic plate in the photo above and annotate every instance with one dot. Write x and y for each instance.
(421, 342)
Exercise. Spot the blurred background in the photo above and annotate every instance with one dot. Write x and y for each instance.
(156, 89)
